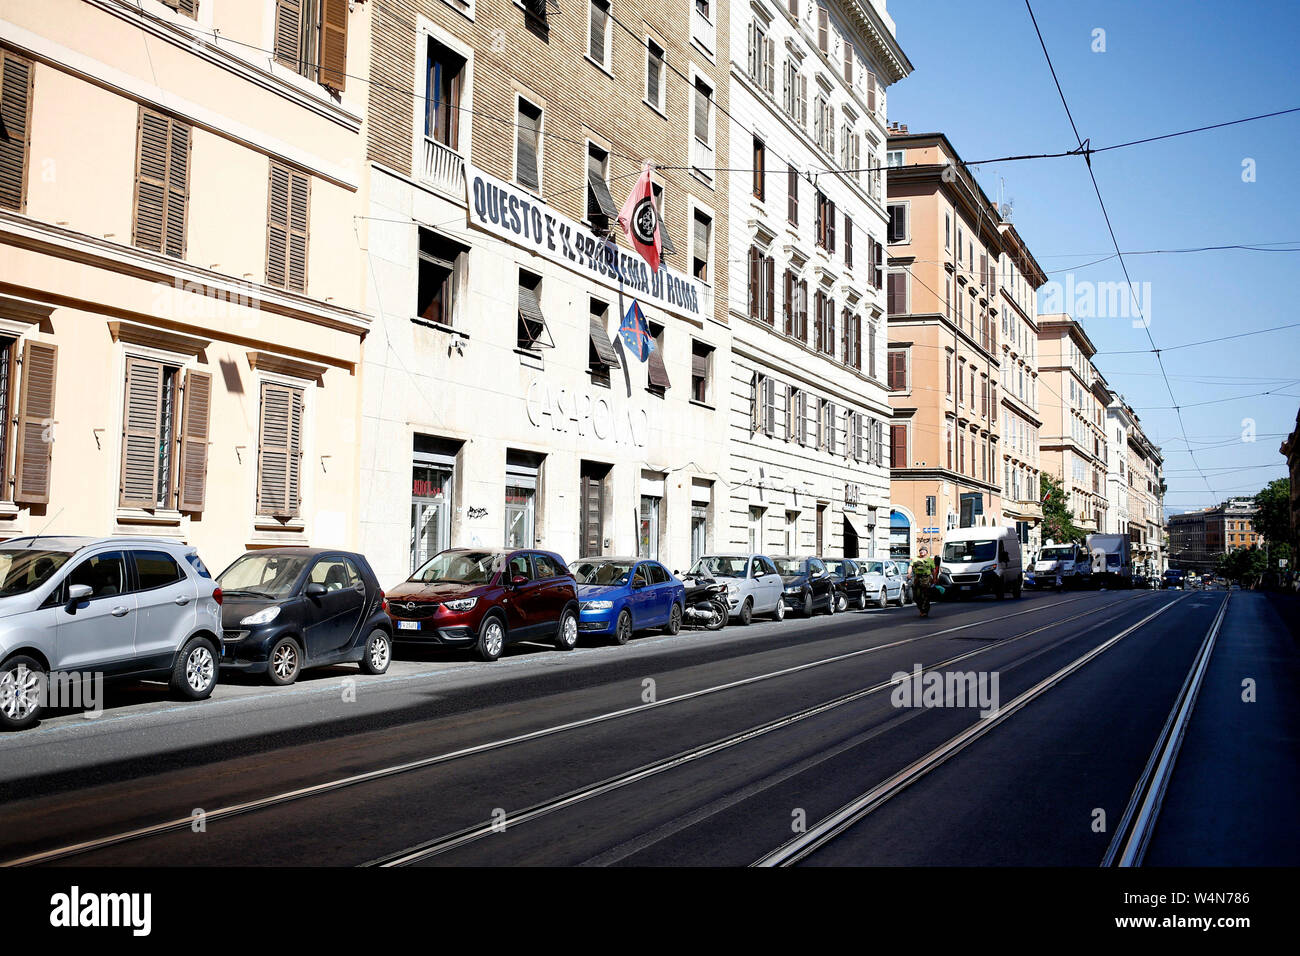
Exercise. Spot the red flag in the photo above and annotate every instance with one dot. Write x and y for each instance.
(640, 220)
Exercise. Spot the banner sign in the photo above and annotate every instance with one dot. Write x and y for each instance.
(520, 218)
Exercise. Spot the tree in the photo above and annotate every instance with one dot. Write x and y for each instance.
(1246, 565)
(1274, 518)
(1058, 523)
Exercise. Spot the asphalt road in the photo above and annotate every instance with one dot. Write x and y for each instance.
(781, 742)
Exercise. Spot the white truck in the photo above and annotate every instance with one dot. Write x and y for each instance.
(1061, 565)
(1112, 562)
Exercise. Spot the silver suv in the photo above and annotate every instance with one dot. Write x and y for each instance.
(95, 608)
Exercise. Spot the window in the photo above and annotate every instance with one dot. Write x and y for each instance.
(763, 405)
(871, 349)
(162, 183)
(898, 446)
(894, 157)
(598, 35)
(897, 370)
(104, 574)
(654, 74)
(311, 38)
(760, 170)
(703, 235)
(762, 57)
(703, 114)
(442, 95)
(701, 371)
(848, 242)
(947, 230)
(896, 295)
(601, 211)
(336, 574)
(877, 264)
(762, 281)
(441, 274)
(601, 357)
(288, 218)
(156, 569)
(848, 63)
(897, 223)
(823, 30)
(756, 528)
(824, 124)
(792, 194)
(15, 129)
(532, 325)
(825, 224)
(164, 452)
(528, 145)
(279, 451)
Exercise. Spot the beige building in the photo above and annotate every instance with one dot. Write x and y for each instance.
(501, 406)
(944, 365)
(180, 283)
(1073, 400)
(1145, 487)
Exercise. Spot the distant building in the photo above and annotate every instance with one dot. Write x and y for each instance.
(1198, 538)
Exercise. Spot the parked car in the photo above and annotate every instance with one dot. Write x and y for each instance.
(883, 582)
(807, 584)
(904, 569)
(753, 584)
(289, 609)
(135, 607)
(618, 596)
(850, 586)
(981, 560)
(484, 599)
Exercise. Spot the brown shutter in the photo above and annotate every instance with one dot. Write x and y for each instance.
(755, 278)
(288, 32)
(802, 332)
(194, 441)
(819, 312)
(792, 191)
(35, 424)
(279, 450)
(299, 226)
(334, 43)
(857, 342)
(898, 446)
(789, 303)
(656, 372)
(141, 432)
(848, 241)
(161, 184)
(288, 207)
(769, 280)
(178, 188)
(15, 129)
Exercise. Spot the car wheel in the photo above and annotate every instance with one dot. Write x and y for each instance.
(284, 662)
(862, 600)
(841, 601)
(1015, 590)
(831, 601)
(808, 603)
(623, 628)
(883, 599)
(674, 619)
(195, 672)
(746, 612)
(378, 653)
(779, 613)
(491, 639)
(21, 678)
(566, 634)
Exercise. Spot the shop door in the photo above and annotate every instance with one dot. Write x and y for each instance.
(591, 504)
(431, 510)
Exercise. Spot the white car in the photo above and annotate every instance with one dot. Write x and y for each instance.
(753, 584)
(884, 583)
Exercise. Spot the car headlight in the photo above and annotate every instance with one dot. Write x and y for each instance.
(793, 589)
(988, 567)
(264, 616)
(733, 589)
(597, 605)
(461, 604)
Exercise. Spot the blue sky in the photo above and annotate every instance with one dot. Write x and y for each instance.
(980, 77)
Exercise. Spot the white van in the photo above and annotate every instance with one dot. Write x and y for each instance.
(980, 561)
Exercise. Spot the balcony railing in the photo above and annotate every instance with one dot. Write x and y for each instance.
(443, 168)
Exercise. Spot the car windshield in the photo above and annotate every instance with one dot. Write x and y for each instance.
(26, 569)
(789, 565)
(964, 552)
(717, 566)
(460, 567)
(263, 575)
(836, 567)
(604, 573)
(1056, 554)
(872, 567)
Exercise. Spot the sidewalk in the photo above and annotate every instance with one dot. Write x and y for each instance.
(1232, 798)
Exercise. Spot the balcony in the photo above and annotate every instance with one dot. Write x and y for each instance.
(443, 169)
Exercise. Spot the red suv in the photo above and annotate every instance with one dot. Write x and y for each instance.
(486, 599)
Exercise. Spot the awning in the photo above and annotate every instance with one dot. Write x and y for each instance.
(530, 316)
(601, 200)
(605, 354)
(658, 375)
(859, 525)
(668, 249)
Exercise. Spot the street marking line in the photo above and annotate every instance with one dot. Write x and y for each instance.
(832, 826)
(178, 823)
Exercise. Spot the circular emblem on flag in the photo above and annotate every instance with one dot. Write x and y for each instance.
(645, 218)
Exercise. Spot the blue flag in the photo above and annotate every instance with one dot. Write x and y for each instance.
(635, 333)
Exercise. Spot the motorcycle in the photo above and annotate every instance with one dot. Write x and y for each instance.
(706, 604)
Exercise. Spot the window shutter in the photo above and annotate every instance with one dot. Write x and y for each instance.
(789, 303)
(898, 446)
(162, 184)
(769, 281)
(279, 451)
(287, 227)
(755, 278)
(526, 147)
(830, 227)
(848, 241)
(288, 32)
(769, 64)
(803, 100)
(656, 371)
(334, 44)
(35, 420)
(755, 403)
(701, 116)
(752, 62)
(801, 332)
(141, 433)
(857, 342)
(819, 320)
(769, 406)
(15, 129)
(871, 350)
(871, 91)
(194, 441)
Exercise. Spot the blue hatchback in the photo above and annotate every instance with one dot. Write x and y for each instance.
(620, 595)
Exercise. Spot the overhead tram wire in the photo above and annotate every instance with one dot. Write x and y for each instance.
(1146, 325)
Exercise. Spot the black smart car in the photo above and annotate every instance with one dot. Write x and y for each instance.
(850, 585)
(807, 584)
(286, 609)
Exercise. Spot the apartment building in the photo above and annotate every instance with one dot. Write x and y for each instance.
(1073, 398)
(1146, 506)
(1198, 538)
(807, 402)
(501, 407)
(1019, 278)
(181, 316)
(944, 366)
(1119, 427)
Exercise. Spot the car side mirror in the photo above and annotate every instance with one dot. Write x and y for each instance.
(518, 580)
(315, 589)
(76, 594)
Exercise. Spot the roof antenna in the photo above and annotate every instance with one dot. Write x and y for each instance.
(46, 525)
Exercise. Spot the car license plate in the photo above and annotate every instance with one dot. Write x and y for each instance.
(408, 625)
(967, 587)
